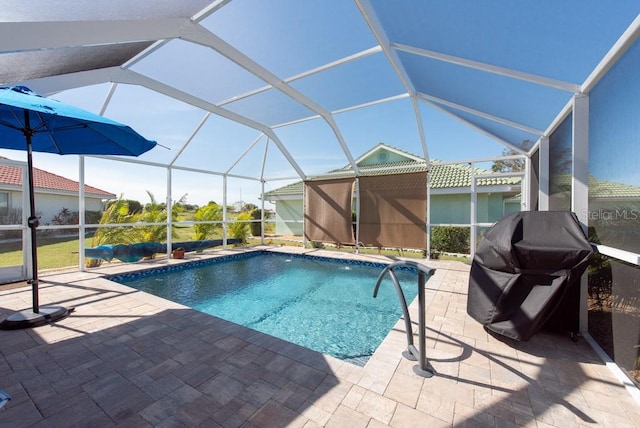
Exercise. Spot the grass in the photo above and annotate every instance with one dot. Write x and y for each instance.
(62, 251)
(53, 253)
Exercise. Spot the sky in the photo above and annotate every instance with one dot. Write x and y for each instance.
(301, 38)
(392, 123)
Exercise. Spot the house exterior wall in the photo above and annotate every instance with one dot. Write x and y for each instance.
(511, 207)
(450, 209)
(50, 205)
(491, 207)
(382, 157)
(456, 208)
(289, 216)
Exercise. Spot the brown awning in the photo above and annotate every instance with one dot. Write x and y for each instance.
(393, 210)
(327, 213)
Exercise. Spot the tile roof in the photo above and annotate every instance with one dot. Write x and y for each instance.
(445, 176)
(612, 190)
(12, 175)
(442, 176)
(289, 189)
(381, 169)
(599, 189)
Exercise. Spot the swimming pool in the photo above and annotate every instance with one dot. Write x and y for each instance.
(322, 304)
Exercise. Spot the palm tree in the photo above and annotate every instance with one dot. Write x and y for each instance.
(210, 212)
(116, 212)
(152, 213)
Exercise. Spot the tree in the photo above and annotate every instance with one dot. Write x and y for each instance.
(508, 165)
(248, 207)
(210, 212)
(119, 211)
(256, 227)
(178, 207)
(511, 165)
(116, 212)
(153, 212)
(135, 207)
(240, 229)
(236, 206)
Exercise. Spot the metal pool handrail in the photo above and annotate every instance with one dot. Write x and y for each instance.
(411, 353)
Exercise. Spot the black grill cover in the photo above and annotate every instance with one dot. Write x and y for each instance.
(526, 272)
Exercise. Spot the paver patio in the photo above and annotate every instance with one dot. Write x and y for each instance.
(128, 358)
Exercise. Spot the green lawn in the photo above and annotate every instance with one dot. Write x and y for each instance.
(60, 252)
(52, 252)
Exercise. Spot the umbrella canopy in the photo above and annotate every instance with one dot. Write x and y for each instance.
(61, 128)
(31, 122)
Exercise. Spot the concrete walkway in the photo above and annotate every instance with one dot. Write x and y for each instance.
(127, 358)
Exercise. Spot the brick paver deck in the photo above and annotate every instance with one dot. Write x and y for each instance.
(127, 358)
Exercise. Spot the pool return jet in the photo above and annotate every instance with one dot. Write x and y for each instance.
(423, 368)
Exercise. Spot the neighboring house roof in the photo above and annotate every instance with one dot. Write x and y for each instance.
(290, 189)
(12, 176)
(611, 190)
(402, 167)
(459, 175)
(598, 189)
(442, 176)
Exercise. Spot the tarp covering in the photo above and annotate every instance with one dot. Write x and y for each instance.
(393, 210)
(130, 253)
(526, 272)
(327, 213)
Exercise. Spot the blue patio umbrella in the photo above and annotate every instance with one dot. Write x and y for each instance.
(31, 122)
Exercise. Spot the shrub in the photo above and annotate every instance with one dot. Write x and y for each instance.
(117, 211)
(210, 212)
(134, 207)
(92, 217)
(450, 239)
(238, 229)
(256, 227)
(65, 217)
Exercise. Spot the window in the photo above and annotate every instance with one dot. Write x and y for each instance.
(4, 204)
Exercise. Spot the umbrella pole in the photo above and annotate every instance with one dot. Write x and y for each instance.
(33, 220)
(37, 316)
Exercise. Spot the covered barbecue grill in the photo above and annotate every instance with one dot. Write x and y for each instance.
(526, 272)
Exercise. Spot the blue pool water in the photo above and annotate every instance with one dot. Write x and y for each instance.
(318, 303)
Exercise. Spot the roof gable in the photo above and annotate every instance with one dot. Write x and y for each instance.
(385, 154)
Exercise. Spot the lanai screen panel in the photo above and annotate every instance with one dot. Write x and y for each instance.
(19, 66)
(393, 210)
(327, 213)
